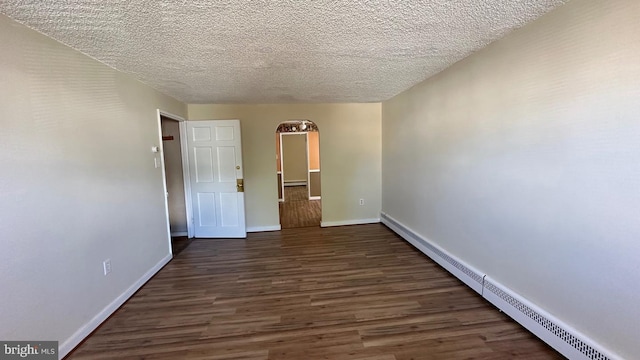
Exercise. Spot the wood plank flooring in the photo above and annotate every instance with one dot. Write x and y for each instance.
(297, 211)
(355, 292)
(179, 243)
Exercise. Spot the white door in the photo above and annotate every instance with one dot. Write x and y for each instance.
(215, 169)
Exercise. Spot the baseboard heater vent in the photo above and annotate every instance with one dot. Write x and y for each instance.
(438, 255)
(558, 335)
(563, 335)
(295, 183)
(456, 264)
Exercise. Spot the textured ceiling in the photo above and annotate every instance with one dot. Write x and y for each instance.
(280, 51)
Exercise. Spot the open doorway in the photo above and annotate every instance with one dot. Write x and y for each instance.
(298, 173)
(172, 152)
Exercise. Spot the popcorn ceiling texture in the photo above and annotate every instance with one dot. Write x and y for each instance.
(281, 51)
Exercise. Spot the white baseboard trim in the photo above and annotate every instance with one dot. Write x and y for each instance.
(296, 183)
(349, 222)
(263, 228)
(315, 198)
(179, 233)
(559, 335)
(75, 339)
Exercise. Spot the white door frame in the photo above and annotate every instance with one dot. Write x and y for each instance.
(185, 171)
(306, 143)
(282, 199)
(306, 148)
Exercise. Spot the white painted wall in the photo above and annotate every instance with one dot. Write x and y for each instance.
(350, 156)
(77, 186)
(524, 161)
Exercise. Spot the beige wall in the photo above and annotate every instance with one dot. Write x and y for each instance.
(349, 154)
(315, 185)
(78, 186)
(524, 161)
(314, 150)
(278, 164)
(175, 178)
(294, 157)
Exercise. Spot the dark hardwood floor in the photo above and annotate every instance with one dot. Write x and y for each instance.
(179, 243)
(297, 211)
(355, 292)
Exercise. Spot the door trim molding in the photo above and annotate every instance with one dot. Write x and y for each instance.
(306, 149)
(293, 183)
(182, 124)
(186, 179)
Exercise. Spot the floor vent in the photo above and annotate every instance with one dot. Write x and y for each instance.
(571, 340)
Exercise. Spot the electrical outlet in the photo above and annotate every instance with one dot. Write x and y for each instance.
(106, 266)
(361, 201)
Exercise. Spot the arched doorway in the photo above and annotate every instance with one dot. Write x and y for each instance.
(298, 172)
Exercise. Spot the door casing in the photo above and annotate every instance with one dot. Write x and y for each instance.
(185, 170)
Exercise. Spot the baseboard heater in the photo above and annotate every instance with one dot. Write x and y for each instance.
(566, 340)
(295, 183)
